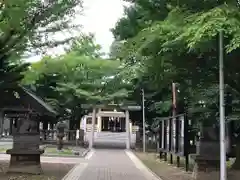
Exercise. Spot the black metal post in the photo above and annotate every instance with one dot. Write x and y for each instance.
(165, 140)
(177, 141)
(170, 140)
(186, 141)
(160, 139)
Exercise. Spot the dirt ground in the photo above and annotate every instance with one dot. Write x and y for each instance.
(162, 169)
(51, 172)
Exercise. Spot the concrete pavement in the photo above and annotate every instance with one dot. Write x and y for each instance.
(101, 164)
(5, 143)
(111, 165)
(64, 160)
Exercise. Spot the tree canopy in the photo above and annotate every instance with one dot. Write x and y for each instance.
(25, 27)
(181, 46)
(178, 42)
(78, 77)
(157, 43)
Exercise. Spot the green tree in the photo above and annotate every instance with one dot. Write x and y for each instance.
(75, 78)
(25, 26)
(86, 46)
(182, 47)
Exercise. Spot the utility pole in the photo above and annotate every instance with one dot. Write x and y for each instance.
(223, 167)
(174, 100)
(144, 126)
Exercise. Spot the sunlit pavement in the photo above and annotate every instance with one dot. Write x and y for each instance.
(102, 164)
(64, 160)
(112, 165)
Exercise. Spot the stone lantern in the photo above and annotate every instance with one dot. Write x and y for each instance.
(25, 154)
(61, 126)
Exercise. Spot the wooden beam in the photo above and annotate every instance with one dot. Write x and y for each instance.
(16, 109)
(112, 106)
(111, 114)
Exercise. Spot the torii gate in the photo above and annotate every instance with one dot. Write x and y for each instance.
(125, 114)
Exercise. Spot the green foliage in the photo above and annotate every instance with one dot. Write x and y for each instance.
(85, 45)
(78, 77)
(25, 26)
(24, 23)
(182, 46)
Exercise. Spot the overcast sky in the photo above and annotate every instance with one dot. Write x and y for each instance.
(99, 17)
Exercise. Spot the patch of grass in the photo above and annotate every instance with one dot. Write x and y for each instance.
(162, 169)
(3, 150)
(51, 171)
(49, 150)
(168, 171)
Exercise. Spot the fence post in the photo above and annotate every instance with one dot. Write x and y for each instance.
(177, 141)
(170, 140)
(165, 139)
(160, 139)
(186, 141)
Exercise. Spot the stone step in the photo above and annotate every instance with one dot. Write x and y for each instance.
(110, 137)
(111, 134)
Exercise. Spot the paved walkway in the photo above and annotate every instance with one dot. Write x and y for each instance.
(111, 165)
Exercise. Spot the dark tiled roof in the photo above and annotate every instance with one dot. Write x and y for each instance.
(40, 102)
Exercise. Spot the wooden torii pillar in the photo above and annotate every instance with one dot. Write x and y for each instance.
(128, 141)
(93, 128)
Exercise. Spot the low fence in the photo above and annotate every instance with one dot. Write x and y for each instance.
(174, 139)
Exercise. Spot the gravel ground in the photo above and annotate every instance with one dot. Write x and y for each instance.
(51, 172)
(162, 169)
(51, 150)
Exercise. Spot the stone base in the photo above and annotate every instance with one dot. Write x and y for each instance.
(213, 175)
(25, 162)
(207, 164)
(233, 174)
(206, 167)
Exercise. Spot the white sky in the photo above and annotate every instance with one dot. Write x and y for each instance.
(99, 16)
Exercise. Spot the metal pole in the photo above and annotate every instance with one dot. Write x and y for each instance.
(144, 130)
(223, 168)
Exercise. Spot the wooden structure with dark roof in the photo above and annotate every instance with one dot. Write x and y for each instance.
(27, 110)
(21, 99)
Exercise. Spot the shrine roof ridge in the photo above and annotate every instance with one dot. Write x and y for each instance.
(132, 107)
(39, 100)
